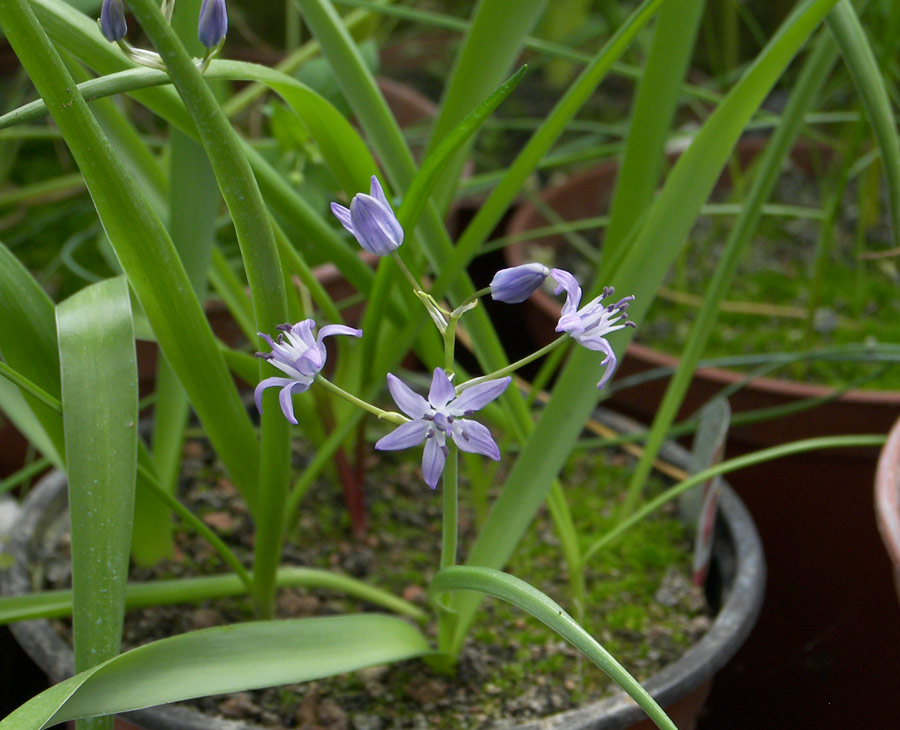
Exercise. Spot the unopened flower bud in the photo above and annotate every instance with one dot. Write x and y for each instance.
(112, 20)
(371, 220)
(518, 283)
(213, 22)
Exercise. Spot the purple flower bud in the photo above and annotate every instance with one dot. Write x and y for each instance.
(518, 283)
(112, 20)
(371, 220)
(213, 22)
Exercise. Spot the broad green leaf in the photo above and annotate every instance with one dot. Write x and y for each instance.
(525, 596)
(98, 368)
(224, 659)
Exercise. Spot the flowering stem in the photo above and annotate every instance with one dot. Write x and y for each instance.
(391, 416)
(450, 485)
(513, 366)
(406, 272)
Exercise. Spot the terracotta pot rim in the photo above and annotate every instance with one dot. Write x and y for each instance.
(887, 494)
(526, 218)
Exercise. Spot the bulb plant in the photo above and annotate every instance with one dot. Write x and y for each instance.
(50, 351)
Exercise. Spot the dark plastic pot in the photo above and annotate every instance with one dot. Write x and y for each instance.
(735, 585)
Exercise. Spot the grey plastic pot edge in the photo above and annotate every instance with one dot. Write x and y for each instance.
(738, 556)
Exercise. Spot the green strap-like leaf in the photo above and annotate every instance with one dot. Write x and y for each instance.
(844, 24)
(100, 413)
(145, 252)
(28, 344)
(669, 220)
(525, 596)
(224, 659)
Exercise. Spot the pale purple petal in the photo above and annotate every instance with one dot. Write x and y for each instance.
(343, 215)
(375, 226)
(442, 390)
(303, 330)
(412, 404)
(478, 396)
(285, 400)
(564, 280)
(404, 436)
(268, 383)
(377, 192)
(433, 459)
(610, 362)
(475, 438)
(338, 329)
(516, 284)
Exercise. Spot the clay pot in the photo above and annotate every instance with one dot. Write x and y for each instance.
(887, 498)
(589, 194)
(735, 587)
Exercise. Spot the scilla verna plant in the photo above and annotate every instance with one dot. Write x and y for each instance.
(82, 410)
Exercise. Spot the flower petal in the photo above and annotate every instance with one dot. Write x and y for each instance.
(338, 329)
(564, 280)
(442, 390)
(433, 460)
(375, 226)
(411, 403)
(406, 435)
(343, 215)
(268, 383)
(478, 396)
(516, 284)
(285, 400)
(475, 438)
(377, 192)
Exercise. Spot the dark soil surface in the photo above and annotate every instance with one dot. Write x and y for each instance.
(642, 605)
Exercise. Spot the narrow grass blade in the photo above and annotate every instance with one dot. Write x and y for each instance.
(427, 176)
(844, 24)
(525, 596)
(54, 604)
(492, 43)
(224, 659)
(651, 119)
(661, 237)
(806, 90)
(28, 343)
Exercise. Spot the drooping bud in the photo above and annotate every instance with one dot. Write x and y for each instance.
(112, 20)
(516, 284)
(213, 23)
(371, 220)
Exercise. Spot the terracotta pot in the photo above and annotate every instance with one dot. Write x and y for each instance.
(588, 194)
(887, 498)
(735, 585)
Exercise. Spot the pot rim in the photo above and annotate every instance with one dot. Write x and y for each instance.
(743, 597)
(887, 496)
